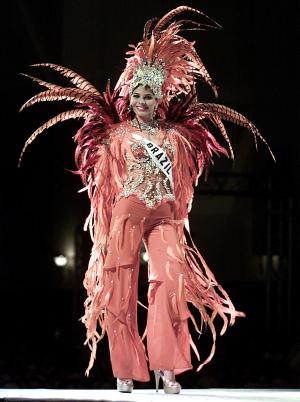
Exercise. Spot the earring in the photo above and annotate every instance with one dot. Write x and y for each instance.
(129, 108)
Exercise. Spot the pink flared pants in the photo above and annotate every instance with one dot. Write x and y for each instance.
(168, 339)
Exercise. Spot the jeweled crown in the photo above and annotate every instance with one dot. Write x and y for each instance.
(151, 76)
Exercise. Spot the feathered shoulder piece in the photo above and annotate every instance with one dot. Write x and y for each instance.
(194, 119)
(98, 110)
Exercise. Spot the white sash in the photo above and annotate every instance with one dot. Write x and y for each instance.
(158, 155)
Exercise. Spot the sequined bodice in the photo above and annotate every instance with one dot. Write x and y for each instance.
(144, 179)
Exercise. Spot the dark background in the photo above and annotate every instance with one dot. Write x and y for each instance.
(245, 219)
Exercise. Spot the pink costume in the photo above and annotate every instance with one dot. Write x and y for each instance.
(147, 208)
(143, 190)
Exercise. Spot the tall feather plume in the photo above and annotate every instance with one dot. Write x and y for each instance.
(173, 13)
(197, 26)
(147, 27)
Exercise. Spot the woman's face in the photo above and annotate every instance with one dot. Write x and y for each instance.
(143, 103)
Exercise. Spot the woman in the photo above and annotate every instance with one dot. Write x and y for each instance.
(139, 153)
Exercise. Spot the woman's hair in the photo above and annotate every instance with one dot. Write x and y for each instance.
(146, 87)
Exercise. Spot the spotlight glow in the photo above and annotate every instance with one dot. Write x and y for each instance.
(60, 260)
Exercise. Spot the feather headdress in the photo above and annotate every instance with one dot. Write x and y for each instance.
(165, 61)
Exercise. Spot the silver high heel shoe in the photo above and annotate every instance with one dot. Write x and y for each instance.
(124, 385)
(170, 385)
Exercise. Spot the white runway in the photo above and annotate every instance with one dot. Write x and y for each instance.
(187, 395)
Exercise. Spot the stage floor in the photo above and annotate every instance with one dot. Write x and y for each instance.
(187, 395)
